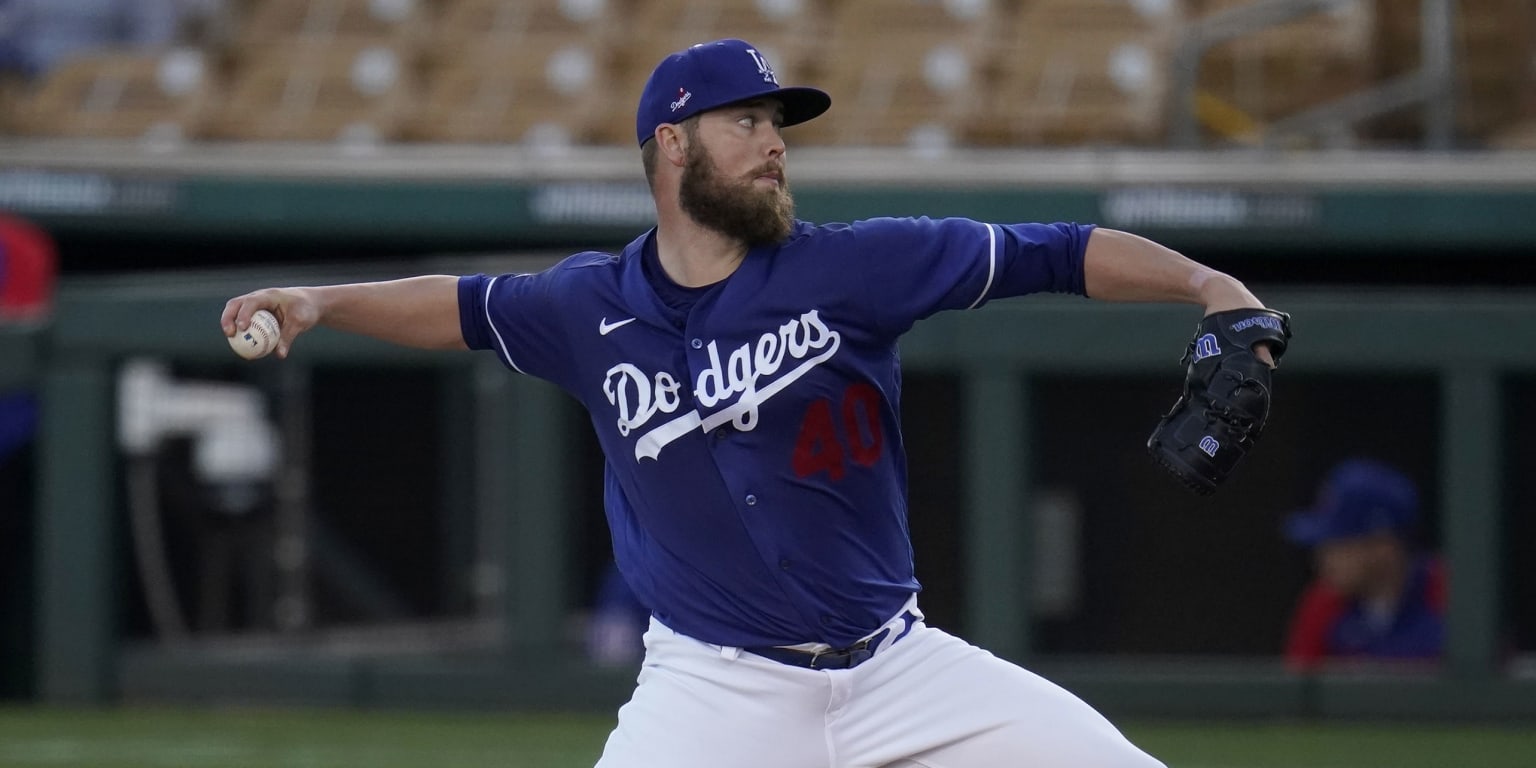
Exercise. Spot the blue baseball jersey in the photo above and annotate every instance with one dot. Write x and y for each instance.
(1414, 629)
(755, 479)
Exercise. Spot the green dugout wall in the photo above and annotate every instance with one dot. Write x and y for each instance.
(1471, 343)
(996, 351)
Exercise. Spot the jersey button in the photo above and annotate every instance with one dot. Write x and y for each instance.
(784, 564)
(698, 344)
(720, 433)
(827, 619)
(751, 500)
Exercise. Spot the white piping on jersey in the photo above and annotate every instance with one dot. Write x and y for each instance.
(991, 265)
(505, 355)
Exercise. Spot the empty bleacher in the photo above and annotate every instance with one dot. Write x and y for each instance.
(399, 24)
(357, 93)
(906, 72)
(1494, 65)
(550, 91)
(927, 74)
(1282, 69)
(1083, 72)
(166, 96)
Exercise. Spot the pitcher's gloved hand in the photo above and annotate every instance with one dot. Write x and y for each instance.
(1226, 397)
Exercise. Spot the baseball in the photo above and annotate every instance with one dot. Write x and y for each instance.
(259, 339)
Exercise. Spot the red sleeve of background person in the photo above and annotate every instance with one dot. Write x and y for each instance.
(28, 266)
(1307, 642)
(1435, 589)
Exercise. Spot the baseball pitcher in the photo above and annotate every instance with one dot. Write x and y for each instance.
(740, 369)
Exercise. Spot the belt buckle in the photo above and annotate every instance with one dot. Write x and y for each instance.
(848, 658)
(862, 651)
(838, 654)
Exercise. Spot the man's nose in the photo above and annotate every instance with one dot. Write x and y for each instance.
(776, 146)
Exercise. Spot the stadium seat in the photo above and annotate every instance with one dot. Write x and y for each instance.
(13, 94)
(1519, 136)
(165, 96)
(1100, 89)
(542, 91)
(401, 24)
(909, 73)
(466, 23)
(359, 93)
(1094, 71)
(1495, 79)
(1161, 17)
(916, 92)
(538, 71)
(1281, 70)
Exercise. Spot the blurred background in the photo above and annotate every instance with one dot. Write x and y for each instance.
(363, 527)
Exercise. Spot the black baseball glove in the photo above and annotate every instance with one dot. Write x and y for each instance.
(1226, 397)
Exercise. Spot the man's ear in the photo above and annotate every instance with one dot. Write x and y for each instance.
(672, 141)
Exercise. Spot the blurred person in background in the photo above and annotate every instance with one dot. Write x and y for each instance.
(38, 35)
(28, 265)
(1375, 596)
(28, 269)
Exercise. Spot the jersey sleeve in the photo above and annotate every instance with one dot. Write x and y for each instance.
(912, 268)
(517, 316)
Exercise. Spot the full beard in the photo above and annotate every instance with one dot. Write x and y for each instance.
(735, 209)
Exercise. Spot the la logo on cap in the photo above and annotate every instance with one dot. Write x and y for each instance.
(762, 66)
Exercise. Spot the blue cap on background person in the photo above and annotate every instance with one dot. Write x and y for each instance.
(1358, 498)
(714, 74)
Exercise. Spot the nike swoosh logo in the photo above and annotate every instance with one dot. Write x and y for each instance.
(604, 327)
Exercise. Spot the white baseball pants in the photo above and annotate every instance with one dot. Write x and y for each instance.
(929, 701)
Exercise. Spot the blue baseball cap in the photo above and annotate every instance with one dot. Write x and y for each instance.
(1359, 497)
(712, 75)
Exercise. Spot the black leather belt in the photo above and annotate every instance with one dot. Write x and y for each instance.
(837, 658)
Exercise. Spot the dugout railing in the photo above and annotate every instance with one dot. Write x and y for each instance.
(1470, 343)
